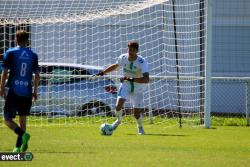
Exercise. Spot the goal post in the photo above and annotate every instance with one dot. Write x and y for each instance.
(208, 60)
(76, 38)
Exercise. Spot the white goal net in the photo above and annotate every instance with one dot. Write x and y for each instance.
(77, 38)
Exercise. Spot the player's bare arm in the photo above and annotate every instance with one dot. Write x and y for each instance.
(3, 80)
(109, 69)
(144, 79)
(36, 84)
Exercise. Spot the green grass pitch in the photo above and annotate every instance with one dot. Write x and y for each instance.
(82, 145)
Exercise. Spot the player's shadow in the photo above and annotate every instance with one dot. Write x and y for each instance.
(160, 134)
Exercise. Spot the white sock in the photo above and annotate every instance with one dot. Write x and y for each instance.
(118, 120)
(139, 121)
(119, 115)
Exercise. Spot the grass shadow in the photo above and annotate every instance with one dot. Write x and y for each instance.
(159, 134)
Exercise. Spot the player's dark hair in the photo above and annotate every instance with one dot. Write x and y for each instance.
(22, 36)
(133, 44)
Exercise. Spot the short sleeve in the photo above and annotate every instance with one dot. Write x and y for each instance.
(144, 66)
(120, 60)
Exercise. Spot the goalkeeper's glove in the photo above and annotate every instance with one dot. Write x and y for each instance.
(122, 79)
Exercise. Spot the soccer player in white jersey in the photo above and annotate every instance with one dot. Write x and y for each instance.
(133, 83)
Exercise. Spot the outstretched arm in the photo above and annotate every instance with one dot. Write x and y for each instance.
(108, 69)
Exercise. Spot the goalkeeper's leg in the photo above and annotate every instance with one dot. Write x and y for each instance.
(119, 104)
(138, 117)
(137, 102)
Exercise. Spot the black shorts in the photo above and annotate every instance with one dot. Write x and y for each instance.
(16, 104)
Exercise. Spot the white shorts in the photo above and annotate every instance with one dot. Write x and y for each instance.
(136, 97)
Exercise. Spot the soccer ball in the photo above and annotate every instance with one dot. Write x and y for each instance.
(106, 129)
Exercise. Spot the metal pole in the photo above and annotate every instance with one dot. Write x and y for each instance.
(150, 113)
(177, 68)
(208, 59)
(247, 101)
(202, 57)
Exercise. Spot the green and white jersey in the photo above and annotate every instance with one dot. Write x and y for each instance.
(133, 69)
